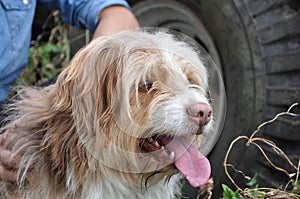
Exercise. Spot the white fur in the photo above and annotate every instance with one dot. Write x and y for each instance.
(114, 188)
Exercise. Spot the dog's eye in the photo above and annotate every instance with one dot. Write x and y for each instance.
(145, 86)
(190, 81)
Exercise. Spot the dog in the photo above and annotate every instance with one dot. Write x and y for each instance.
(122, 121)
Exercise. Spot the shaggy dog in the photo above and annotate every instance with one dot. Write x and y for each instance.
(122, 121)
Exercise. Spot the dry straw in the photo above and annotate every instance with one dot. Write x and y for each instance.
(253, 140)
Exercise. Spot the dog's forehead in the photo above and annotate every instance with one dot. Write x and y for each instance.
(160, 57)
(174, 66)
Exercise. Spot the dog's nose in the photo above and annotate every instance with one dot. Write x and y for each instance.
(201, 113)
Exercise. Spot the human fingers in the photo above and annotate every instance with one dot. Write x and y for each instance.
(7, 175)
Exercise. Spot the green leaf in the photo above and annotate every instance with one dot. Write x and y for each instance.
(229, 193)
(256, 193)
(296, 187)
(253, 182)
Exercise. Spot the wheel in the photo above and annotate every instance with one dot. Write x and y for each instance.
(256, 46)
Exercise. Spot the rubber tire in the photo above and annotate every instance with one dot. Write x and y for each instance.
(258, 44)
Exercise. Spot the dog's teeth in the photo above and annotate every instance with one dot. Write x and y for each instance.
(163, 148)
(151, 140)
(172, 155)
(157, 144)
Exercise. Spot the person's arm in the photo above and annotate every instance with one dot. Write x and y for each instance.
(102, 17)
(114, 19)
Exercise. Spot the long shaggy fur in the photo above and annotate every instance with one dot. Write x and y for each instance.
(80, 137)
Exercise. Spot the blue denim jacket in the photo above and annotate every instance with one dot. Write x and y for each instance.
(16, 17)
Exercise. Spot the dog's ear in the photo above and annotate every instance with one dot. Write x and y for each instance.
(87, 87)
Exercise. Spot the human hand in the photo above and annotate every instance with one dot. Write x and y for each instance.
(5, 173)
(114, 19)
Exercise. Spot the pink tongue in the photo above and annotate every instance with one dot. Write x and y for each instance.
(190, 162)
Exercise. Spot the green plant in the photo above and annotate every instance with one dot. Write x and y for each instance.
(48, 53)
(229, 193)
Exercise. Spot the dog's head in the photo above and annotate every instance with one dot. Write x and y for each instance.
(139, 102)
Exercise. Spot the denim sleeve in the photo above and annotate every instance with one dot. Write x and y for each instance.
(81, 13)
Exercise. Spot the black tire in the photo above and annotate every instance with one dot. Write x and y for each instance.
(258, 44)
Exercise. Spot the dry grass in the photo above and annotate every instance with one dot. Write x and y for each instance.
(257, 193)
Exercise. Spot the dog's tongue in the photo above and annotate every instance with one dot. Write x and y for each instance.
(190, 162)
